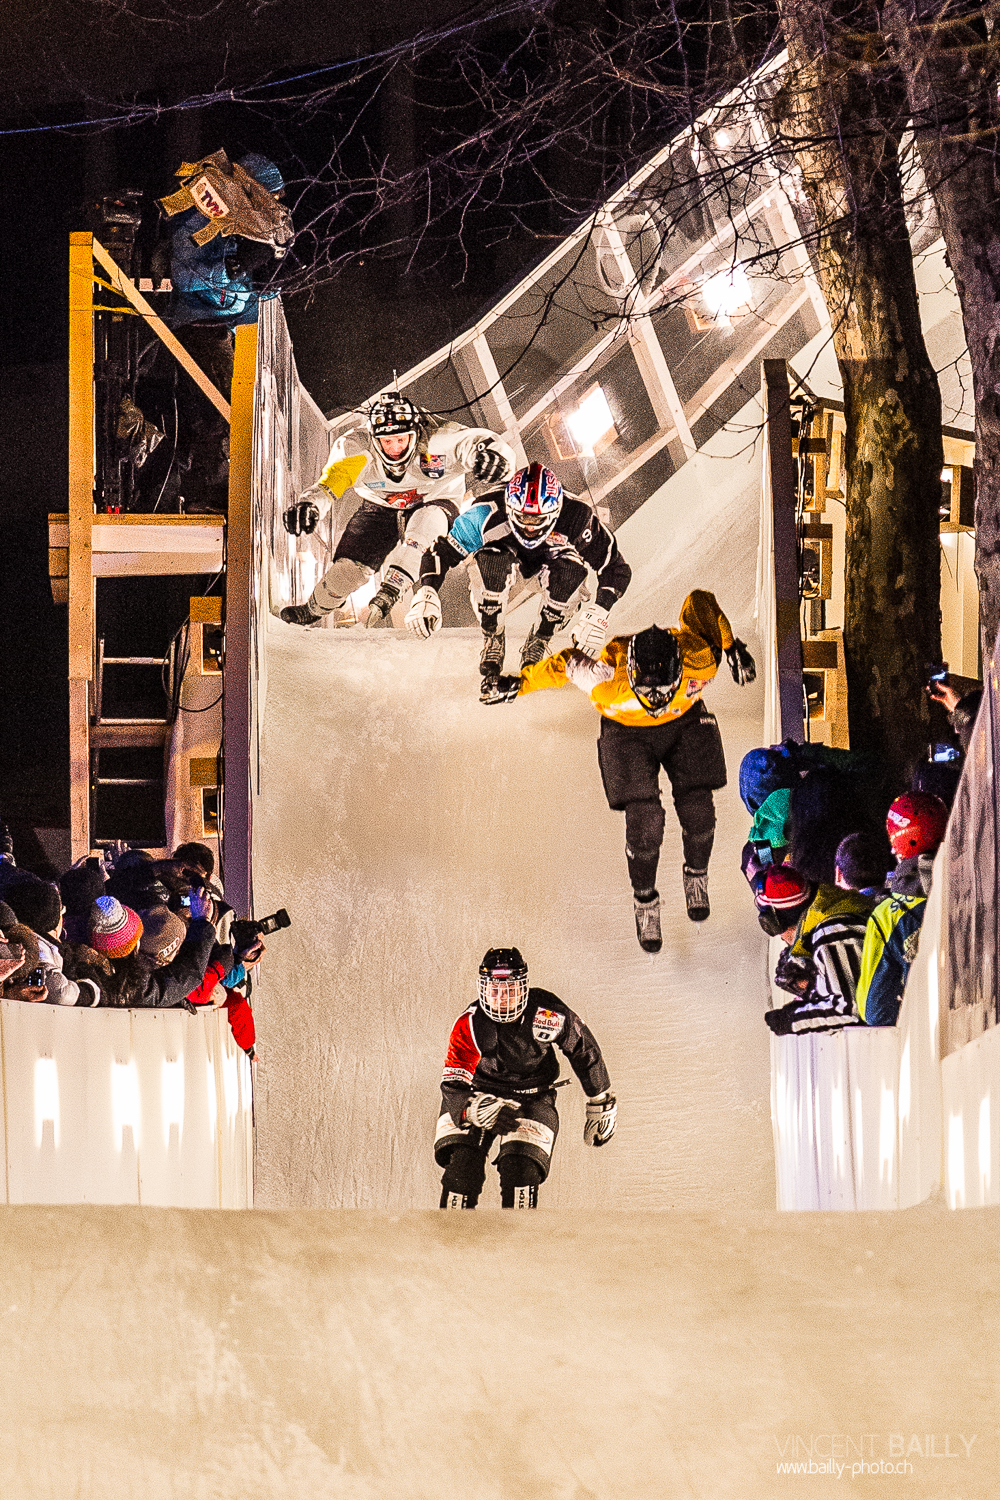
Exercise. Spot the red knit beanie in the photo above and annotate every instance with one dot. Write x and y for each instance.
(784, 889)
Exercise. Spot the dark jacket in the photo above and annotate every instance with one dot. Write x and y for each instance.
(963, 716)
(829, 944)
(579, 541)
(139, 985)
(515, 1058)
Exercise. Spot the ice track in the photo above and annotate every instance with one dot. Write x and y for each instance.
(407, 828)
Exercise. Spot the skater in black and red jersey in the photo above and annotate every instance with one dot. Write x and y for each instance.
(498, 1082)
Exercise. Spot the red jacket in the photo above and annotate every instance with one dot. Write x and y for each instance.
(238, 1006)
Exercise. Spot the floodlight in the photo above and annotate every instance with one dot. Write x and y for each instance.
(592, 424)
(727, 294)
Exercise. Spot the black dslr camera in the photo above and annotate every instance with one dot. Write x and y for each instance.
(245, 931)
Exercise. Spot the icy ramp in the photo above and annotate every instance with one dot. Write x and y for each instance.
(179, 1355)
(407, 828)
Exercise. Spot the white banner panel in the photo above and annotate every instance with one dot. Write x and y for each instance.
(125, 1106)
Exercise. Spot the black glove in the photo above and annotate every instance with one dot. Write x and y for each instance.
(301, 518)
(793, 972)
(741, 663)
(489, 465)
(780, 1021)
(499, 689)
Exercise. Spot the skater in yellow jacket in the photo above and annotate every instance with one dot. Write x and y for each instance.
(647, 689)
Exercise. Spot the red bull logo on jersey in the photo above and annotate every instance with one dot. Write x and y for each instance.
(433, 465)
(546, 1025)
(400, 499)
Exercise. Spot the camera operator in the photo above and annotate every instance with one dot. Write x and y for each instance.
(139, 980)
(961, 696)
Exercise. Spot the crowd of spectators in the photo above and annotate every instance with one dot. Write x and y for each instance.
(128, 931)
(840, 879)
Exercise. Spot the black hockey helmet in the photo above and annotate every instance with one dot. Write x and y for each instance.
(394, 415)
(503, 984)
(655, 667)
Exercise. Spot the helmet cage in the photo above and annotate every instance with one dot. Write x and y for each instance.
(534, 500)
(394, 416)
(654, 689)
(502, 985)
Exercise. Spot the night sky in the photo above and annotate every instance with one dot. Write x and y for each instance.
(71, 63)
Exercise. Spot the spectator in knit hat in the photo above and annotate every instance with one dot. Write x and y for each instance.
(162, 936)
(116, 932)
(38, 905)
(823, 958)
(27, 980)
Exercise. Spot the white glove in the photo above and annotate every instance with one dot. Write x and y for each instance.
(585, 673)
(424, 615)
(484, 1110)
(602, 1115)
(590, 629)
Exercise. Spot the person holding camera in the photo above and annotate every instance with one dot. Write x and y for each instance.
(164, 978)
(38, 905)
(962, 703)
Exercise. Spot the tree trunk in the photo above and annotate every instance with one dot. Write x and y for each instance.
(842, 112)
(952, 68)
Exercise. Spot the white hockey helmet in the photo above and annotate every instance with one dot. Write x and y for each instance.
(393, 415)
(503, 984)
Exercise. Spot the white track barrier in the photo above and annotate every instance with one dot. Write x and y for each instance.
(879, 1118)
(124, 1106)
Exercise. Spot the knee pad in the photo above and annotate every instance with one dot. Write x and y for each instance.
(644, 825)
(464, 1175)
(519, 1180)
(488, 602)
(339, 580)
(495, 568)
(425, 526)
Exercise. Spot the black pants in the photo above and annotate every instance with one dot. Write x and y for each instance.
(631, 757)
(374, 530)
(561, 578)
(523, 1159)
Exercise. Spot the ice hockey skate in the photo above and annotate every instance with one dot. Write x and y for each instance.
(491, 657)
(300, 614)
(534, 648)
(389, 593)
(696, 894)
(647, 923)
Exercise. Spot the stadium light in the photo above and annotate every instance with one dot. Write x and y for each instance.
(727, 295)
(592, 425)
